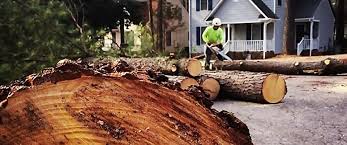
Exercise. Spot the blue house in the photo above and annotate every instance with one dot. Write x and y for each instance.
(257, 25)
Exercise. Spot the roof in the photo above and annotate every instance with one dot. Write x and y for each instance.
(306, 8)
(259, 4)
(265, 9)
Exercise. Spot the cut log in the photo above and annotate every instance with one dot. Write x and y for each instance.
(210, 86)
(184, 82)
(72, 105)
(257, 87)
(324, 67)
(189, 67)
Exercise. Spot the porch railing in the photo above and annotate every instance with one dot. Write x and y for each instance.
(247, 45)
(305, 44)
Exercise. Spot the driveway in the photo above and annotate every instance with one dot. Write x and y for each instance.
(314, 112)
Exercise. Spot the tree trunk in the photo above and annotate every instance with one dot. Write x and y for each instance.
(329, 66)
(340, 25)
(190, 67)
(75, 105)
(257, 87)
(289, 28)
(160, 36)
(150, 10)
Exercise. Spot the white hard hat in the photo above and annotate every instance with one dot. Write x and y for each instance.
(216, 22)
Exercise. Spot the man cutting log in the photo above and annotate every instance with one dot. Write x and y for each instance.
(213, 36)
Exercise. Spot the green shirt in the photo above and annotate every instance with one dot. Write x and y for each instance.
(213, 36)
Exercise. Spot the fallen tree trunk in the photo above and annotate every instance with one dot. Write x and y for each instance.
(328, 66)
(188, 67)
(73, 105)
(257, 87)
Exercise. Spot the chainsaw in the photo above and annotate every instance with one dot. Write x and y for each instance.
(216, 50)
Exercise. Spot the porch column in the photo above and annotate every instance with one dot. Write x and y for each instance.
(233, 36)
(265, 39)
(311, 37)
(229, 38)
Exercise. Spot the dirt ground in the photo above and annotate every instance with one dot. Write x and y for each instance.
(294, 58)
(314, 112)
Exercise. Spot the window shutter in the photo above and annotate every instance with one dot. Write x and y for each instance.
(210, 3)
(198, 5)
(198, 37)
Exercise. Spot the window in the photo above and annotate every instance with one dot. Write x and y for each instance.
(279, 2)
(204, 5)
(199, 31)
(198, 35)
(202, 31)
(168, 38)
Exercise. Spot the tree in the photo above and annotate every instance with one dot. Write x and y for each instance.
(289, 27)
(160, 17)
(150, 11)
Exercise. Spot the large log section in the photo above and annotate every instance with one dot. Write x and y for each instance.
(257, 87)
(330, 66)
(189, 67)
(73, 105)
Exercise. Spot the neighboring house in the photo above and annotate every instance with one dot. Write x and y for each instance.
(257, 25)
(175, 31)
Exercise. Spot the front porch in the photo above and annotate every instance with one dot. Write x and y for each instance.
(249, 37)
(306, 35)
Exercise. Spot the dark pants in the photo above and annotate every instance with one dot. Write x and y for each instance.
(208, 53)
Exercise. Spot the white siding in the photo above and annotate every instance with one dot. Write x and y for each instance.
(198, 21)
(326, 24)
(237, 11)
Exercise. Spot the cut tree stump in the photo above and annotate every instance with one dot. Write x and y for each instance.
(328, 66)
(70, 104)
(256, 87)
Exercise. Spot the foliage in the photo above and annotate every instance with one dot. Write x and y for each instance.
(37, 33)
(145, 37)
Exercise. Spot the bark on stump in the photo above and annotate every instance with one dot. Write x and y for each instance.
(257, 87)
(73, 105)
(328, 66)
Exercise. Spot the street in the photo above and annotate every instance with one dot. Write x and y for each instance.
(312, 113)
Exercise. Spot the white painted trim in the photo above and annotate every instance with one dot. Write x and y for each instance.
(311, 37)
(258, 8)
(244, 22)
(214, 9)
(275, 6)
(229, 37)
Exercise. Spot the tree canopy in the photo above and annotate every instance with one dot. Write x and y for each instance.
(37, 33)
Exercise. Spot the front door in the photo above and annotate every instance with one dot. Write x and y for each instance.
(301, 31)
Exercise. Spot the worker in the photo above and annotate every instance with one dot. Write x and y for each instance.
(213, 36)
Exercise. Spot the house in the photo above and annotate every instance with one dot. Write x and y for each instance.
(257, 25)
(176, 29)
